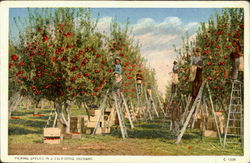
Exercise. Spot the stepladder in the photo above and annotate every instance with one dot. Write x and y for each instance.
(120, 108)
(120, 116)
(160, 103)
(196, 108)
(52, 114)
(234, 125)
(148, 113)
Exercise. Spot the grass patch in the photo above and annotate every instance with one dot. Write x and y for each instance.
(25, 139)
(152, 137)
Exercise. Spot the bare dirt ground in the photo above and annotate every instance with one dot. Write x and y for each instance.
(121, 147)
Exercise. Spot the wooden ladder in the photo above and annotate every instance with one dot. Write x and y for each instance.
(234, 125)
(148, 106)
(194, 106)
(120, 117)
(101, 114)
(51, 114)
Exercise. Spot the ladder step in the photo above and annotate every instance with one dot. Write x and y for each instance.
(234, 119)
(233, 127)
(235, 112)
(233, 135)
(236, 97)
(233, 142)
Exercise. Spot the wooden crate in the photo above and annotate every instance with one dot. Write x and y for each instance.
(85, 118)
(72, 136)
(108, 123)
(52, 135)
(99, 131)
(210, 126)
(76, 123)
(93, 112)
(197, 123)
(209, 133)
(90, 124)
(52, 141)
(221, 121)
(51, 132)
(107, 130)
(94, 118)
(108, 110)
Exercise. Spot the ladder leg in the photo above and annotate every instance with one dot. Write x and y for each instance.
(127, 110)
(215, 119)
(102, 108)
(196, 102)
(120, 117)
(234, 125)
(156, 112)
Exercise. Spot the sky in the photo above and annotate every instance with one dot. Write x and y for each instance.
(156, 29)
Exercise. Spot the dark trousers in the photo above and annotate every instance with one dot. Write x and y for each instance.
(139, 88)
(174, 88)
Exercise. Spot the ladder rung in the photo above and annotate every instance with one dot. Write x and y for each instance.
(234, 119)
(235, 112)
(233, 135)
(235, 107)
(233, 127)
(233, 142)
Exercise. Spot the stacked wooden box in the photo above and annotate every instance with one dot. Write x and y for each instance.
(211, 130)
(105, 122)
(72, 135)
(221, 121)
(77, 124)
(76, 127)
(52, 135)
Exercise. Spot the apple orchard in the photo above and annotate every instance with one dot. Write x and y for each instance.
(61, 56)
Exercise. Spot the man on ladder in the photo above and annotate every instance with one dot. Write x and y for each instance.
(118, 76)
(196, 77)
(139, 79)
(175, 79)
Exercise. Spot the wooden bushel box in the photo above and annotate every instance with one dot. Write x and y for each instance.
(108, 123)
(210, 126)
(51, 132)
(92, 124)
(209, 133)
(108, 110)
(197, 124)
(74, 124)
(52, 140)
(107, 130)
(94, 118)
(93, 112)
(52, 135)
(221, 121)
(90, 131)
(72, 136)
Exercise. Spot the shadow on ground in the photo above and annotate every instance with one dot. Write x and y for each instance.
(25, 126)
(152, 130)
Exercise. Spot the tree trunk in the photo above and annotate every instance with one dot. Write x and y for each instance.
(84, 105)
(36, 105)
(13, 102)
(62, 107)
